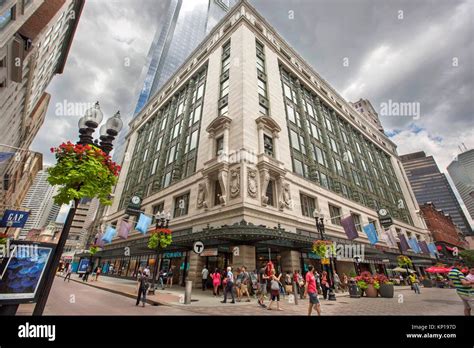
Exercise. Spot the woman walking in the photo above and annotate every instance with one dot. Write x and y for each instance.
(143, 286)
(325, 285)
(275, 290)
(216, 281)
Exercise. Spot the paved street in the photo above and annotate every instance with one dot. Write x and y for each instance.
(75, 298)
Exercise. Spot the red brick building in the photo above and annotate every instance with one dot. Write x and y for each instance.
(446, 234)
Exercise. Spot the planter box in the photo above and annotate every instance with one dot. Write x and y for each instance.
(354, 291)
(386, 290)
(371, 291)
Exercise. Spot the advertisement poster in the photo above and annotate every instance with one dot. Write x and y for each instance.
(83, 265)
(26, 266)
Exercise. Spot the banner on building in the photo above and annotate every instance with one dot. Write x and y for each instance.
(414, 245)
(14, 218)
(124, 229)
(349, 227)
(390, 239)
(109, 234)
(403, 242)
(143, 223)
(371, 233)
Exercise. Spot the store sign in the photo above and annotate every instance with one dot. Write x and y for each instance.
(313, 256)
(198, 247)
(210, 252)
(14, 218)
(172, 255)
(324, 261)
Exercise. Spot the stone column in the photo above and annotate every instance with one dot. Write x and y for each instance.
(290, 261)
(260, 139)
(196, 263)
(246, 257)
(226, 140)
(276, 149)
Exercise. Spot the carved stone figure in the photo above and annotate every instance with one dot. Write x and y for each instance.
(222, 177)
(234, 182)
(202, 195)
(252, 183)
(285, 201)
(265, 181)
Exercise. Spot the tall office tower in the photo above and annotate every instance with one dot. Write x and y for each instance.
(432, 186)
(242, 146)
(39, 200)
(35, 37)
(186, 24)
(85, 214)
(461, 171)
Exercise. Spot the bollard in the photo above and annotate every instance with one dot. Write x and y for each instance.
(295, 292)
(188, 290)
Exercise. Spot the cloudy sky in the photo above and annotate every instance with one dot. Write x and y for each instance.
(400, 50)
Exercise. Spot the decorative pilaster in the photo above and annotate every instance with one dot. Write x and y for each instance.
(265, 180)
(222, 178)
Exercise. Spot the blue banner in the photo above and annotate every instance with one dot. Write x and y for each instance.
(371, 233)
(432, 248)
(5, 156)
(414, 245)
(143, 223)
(14, 218)
(109, 234)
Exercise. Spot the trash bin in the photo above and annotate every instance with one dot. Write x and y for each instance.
(354, 290)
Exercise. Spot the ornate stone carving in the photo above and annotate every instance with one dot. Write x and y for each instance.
(234, 182)
(202, 195)
(265, 181)
(222, 177)
(285, 195)
(252, 183)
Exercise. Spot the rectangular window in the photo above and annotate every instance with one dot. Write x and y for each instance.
(153, 168)
(197, 113)
(193, 142)
(287, 91)
(295, 140)
(158, 144)
(291, 112)
(298, 167)
(328, 124)
(320, 156)
(335, 213)
(217, 193)
(171, 154)
(200, 92)
(224, 111)
(344, 137)
(176, 130)
(323, 179)
(370, 185)
(6, 17)
(339, 168)
(145, 155)
(262, 88)
(355, 175)
(364, 165)
(157, 209)
(345, 191)
(308, 205)
(374, 222)
(348, 156)
(370, 157)
(181, 205)
(219, 145)
(302, 145)
(268, 145)
(359, 150)
(333, 145)
(315, 131)
(356, 218)
(224, 88)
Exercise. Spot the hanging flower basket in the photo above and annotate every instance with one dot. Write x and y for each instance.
(160, 238)
(82, 171)
(94, 249)
(324, 248)
(404, 261)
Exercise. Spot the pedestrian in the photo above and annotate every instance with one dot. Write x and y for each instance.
(312, 291)
(143, 286)
(470, 276)
(111, 269)
(97, 273)
(463, 287)
(262, 281)
(337, 282)
(161, 279)
(275, 290)
(94, 272)
(245, 282)
(216, 281)
(325, 285)
(229, 287)
(147, 271)
(205, 274)
(345, 282)
(414, 283)
(169, 278)
(85, 277)
(68, 273)
(238, 282)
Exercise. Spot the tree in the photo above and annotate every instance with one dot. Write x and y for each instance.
(468, 257)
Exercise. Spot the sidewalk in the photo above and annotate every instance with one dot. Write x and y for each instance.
(171, 297)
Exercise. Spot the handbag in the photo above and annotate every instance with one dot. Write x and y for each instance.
(275, 285)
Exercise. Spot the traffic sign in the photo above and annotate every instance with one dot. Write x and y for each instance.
(198, 247)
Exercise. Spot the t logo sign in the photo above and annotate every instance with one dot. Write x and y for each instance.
(198, 247)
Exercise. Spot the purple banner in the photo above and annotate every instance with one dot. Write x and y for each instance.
(424, 247)
(349, 227)
(403, 242)
(124, 229)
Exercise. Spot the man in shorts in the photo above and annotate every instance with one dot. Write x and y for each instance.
(312, 291)
(244, 286)
(463, 287)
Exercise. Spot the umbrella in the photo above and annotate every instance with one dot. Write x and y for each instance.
(399, 269)
(435, 269)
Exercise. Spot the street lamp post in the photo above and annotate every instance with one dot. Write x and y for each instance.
(87, 125)
(162, 221)
(319, 218)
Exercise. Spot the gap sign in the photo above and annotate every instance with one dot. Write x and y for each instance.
(14, 218)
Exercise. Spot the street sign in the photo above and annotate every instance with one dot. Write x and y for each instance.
(209, 252)
(198, 247)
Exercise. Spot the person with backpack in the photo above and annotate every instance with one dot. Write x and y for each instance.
(143, 286)
(275, 290)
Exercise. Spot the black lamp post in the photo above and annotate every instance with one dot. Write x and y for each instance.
(319, 218)
(87, 125)
(162, 221)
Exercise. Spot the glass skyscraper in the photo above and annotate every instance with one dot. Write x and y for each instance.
(186, 24)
